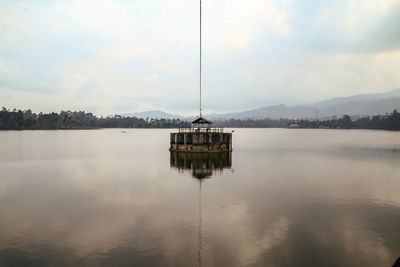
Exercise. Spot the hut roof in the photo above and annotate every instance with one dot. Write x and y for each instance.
(201, 120)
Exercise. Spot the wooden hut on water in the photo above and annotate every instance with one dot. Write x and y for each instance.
(201, 137)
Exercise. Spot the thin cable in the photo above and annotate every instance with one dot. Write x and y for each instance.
(200, 58)
(200, 237)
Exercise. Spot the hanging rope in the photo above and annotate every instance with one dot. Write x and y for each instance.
(200, 58)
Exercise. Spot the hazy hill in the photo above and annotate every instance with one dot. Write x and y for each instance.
(367, 104)
(357, 99)
(153, 114)
(362, 105)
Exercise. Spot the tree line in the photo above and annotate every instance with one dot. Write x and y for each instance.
(26, 119)
(378, 122)
(251, 123)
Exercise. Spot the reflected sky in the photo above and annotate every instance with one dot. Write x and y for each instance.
(284, 198)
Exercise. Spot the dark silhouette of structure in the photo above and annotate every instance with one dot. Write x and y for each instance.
(201, 165)
(396, 263)
(200, 137)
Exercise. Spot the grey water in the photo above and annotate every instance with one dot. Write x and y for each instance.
(283, 197)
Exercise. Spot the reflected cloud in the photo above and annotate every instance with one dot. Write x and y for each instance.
(88, 198)
(201, 166)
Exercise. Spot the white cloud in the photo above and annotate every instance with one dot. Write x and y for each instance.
(239, 22)
(102, 16)
(279, 20)
(3, 67)
(12, 27)
(353, 20)
(106, 56)
(152, 77)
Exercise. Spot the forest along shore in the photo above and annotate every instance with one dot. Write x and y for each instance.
(27, 120)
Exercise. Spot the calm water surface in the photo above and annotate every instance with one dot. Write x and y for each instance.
(282, 198)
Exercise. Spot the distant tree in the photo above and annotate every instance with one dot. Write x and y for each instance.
(18, 119)
(346, 121)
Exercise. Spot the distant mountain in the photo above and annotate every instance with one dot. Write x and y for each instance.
(361, 108)
(358, 105)
(357, 99)
(153, 114)
(272, 112)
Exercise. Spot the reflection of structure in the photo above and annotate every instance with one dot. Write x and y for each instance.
(199, 239)
(201, 150)
(201, 165)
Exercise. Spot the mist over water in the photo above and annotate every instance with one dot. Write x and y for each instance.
(281, 198)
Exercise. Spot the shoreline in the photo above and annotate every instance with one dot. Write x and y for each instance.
(159, 128)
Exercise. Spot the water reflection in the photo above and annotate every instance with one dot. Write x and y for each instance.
(296, 198)
(201, 165)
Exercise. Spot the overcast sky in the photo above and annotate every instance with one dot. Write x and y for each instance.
(125, 56)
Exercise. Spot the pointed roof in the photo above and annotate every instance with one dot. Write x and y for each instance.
(201, 120)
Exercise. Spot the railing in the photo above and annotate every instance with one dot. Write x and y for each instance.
(201, 130)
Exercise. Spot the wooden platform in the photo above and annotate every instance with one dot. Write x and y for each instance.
(201, 140)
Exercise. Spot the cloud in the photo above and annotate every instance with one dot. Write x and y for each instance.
(12, 26)
(95, 54)
(279, 20)
(3, 67)
(357, 26)
(235, 23)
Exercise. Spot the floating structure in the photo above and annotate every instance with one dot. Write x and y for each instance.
(201, 137)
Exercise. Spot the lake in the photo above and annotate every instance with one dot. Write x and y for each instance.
(118, 197)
